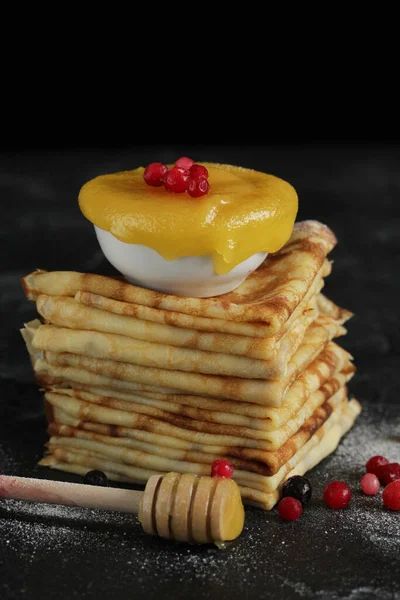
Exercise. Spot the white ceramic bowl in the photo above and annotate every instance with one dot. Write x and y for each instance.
(192, 276)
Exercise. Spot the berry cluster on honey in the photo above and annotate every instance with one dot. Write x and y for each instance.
(184, 176)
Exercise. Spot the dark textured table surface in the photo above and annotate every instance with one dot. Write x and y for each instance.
(53, 552)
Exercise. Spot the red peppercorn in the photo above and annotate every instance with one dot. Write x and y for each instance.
(375, 462)
(391, 495)
(184, 162)
(198, 187)
(176, 180)
(198, 171)
(290, 508)
(388, 473)
(337, 494)
(221, 468)
(154, 174)
(370, 484)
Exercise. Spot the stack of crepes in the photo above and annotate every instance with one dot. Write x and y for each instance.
(139, 383)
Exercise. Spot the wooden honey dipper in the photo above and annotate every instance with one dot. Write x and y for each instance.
(186, 508)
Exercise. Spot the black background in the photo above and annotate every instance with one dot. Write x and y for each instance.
(352, 185)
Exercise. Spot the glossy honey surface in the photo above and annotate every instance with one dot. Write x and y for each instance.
(245, 212)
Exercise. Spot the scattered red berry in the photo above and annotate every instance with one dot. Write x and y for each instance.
(221, 468)
(370, 484)
(375, 462)
(198, 171)
(154, 174)
(184, 163)
(391, 495)
(337, 494)
(198, 187)
(290, 508)
(388, 473)
(176, 180)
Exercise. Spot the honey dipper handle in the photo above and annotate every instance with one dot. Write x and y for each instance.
(69, 494)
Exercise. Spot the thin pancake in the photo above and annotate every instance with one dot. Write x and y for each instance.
(79, 461)
(153, 457)
(332, 361)
(266, 392)
(223, 412)
(197, 323)
(262, 461)
(329, 309)
(84, 463)
(218, 433)
(48, 375)
(115, 423)
(269, 294)
(66, 312)
(120, 348)
(130, 450)
(324, 448)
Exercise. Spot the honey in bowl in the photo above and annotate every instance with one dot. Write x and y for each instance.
(244, 215)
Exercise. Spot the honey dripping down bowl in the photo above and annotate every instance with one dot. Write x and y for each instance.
(189, 508)
(163, 239)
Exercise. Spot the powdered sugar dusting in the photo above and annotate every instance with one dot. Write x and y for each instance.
(366, 516)
(9, 465)
(295, 558)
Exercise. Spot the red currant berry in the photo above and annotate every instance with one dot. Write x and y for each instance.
(370, 484)
(375, 462)
(337, 494)
(198, 187)
(154, 174)
(391, 495)
(198, 171)
(176, 180)
(184, 163)
(221, 468)
(290, 508)
(388, 473)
